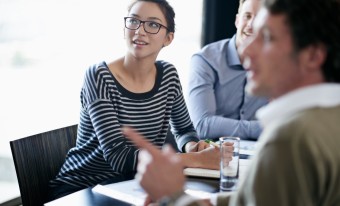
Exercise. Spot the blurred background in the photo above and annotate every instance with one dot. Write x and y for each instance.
(46, 46)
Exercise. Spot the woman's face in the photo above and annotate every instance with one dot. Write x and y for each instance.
(142, 44)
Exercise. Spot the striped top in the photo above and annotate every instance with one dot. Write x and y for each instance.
(102, 152)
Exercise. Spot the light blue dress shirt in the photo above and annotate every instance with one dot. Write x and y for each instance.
(217, 101)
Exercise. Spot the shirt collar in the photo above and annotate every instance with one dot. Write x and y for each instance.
(328, 95)
(233, 59)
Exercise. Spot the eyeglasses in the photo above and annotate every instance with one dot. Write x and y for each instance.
(150, 27)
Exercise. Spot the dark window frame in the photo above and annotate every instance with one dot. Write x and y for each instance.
(218, 20)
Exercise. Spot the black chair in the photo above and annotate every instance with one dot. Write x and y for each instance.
(37, 160)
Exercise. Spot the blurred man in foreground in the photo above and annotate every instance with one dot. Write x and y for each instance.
(294, 59)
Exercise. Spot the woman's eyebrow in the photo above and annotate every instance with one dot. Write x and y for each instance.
(149, 18)
(134, 15)
(154, 18)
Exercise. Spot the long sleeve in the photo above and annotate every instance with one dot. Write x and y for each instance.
(103, 116)
(218, 113)
(102, 152)
(181, 124)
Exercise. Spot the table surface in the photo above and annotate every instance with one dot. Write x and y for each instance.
(87, 197)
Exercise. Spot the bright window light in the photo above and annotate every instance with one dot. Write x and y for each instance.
(45, 48)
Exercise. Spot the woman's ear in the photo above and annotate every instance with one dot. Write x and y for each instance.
(169, 37)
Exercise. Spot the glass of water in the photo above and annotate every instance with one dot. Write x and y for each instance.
(229, 166)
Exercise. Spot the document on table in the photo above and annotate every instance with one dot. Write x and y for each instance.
(128, 191)
(248, 147)
(131, 192)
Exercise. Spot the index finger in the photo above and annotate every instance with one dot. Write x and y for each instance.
(140, 141)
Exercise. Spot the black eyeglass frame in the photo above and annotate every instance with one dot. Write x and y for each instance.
(143, 22)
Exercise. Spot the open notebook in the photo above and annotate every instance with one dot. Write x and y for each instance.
(247, 149)
(200, 172)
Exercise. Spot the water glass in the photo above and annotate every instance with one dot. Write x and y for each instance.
(229, 167)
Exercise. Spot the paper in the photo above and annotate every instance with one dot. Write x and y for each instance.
(247, 147)
(131, 192)
(128, 191)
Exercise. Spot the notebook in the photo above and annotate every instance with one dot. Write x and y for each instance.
(200, 172)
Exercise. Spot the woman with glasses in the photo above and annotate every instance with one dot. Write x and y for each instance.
(135, 91)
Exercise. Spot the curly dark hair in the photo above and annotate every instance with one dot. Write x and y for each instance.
(167, 10)
(313, 22)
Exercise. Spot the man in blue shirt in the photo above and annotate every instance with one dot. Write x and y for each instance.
(217, 101)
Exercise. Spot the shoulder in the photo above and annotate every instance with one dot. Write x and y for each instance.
(168, 70)
(168, 77)
(306, 137)
(213, 49)
(164, 65)
(212, 56)
(96, 79)
(305, 127)
(97, 74)
(96, 70)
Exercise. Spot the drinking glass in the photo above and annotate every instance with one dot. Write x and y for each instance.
(229, 167)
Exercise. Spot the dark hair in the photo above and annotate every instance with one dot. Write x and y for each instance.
(167, 10)
(313, 22)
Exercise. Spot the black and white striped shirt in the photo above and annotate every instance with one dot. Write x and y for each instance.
(102, 152)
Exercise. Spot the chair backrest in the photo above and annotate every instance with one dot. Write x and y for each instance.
(38, 159)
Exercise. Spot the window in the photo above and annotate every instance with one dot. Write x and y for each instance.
(45, 47)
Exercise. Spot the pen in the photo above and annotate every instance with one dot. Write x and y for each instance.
(212, 143)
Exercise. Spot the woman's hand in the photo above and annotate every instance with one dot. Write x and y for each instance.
(196, 146)
(209, 157)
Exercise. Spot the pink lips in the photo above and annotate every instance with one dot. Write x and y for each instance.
(139, 42)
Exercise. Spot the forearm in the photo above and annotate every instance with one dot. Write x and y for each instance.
(184, 139)
(213, 127)
(208, 158)
(190, 159)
